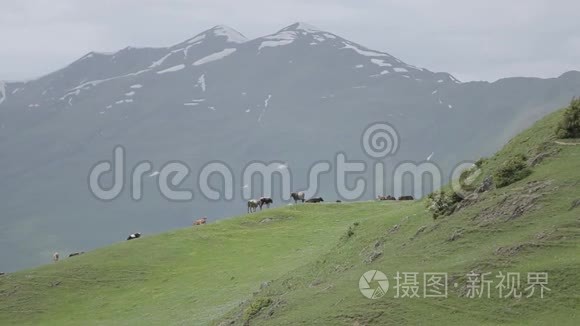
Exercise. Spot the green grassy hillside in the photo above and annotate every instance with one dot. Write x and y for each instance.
(302, 264)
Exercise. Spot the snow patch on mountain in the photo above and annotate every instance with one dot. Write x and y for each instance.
(86, 85)
(266, 103)
(136, 86)
(302, 27)
(279, 39)
(400, 69)
(196, 39)
(2, 91)
(160, 61)
(215, 56)
(229, 33)
(201, 82)
(366, 53)
(381, 63)
(74, 92)
(172, 69)
(130, 93)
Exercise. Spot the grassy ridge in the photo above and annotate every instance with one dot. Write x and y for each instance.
(311, 263)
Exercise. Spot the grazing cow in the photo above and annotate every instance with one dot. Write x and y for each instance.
(76, 254)
(265, 201)
(406, 198)
(134, 236)
(297, 196)
(253, 205)
(200, 221)
(389, 197)
(339, 201)
(315, 200)
(55, 257)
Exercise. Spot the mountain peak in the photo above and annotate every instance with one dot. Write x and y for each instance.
(231, 34)
(220, 31)
(301, 26)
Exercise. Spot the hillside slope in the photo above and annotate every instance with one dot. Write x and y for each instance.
(302, 264)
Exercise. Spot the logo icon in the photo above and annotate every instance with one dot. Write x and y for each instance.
(380, 140)
(373, 284)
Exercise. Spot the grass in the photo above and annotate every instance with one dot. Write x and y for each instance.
(301, 264)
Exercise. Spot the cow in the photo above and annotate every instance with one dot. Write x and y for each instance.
(55, 257)
(297, 196)
(200, 221)
(339, 201)
(2, 273)
(265, 201)
(406, 198)
(134, 236)
(76, 254)
(253, 205)
(389, 197)
(315, 200)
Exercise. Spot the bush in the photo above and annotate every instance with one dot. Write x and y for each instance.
(479, 163)
(441, 203)
(512, 170)
(569, 127)
(255, 307)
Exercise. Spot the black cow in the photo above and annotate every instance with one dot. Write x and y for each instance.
(315, 200)
(406, 198)
(134, 236)
(297, 196)
(265, 201)
(76, 254)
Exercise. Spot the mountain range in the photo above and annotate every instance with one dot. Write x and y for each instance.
(297, 96)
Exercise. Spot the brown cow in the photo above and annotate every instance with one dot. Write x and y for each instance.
(297, 196)
(389, 197)
(200, 221)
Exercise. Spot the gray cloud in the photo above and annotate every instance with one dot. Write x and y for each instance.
(486, 40)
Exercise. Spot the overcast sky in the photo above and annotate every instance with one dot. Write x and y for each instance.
(473, 40)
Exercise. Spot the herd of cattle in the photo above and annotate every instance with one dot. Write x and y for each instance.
(253, 206)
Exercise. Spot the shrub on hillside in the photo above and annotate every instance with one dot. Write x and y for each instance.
(569, 127)
(479, 163)
(441, 203)
(512, 170)
(255, 307)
